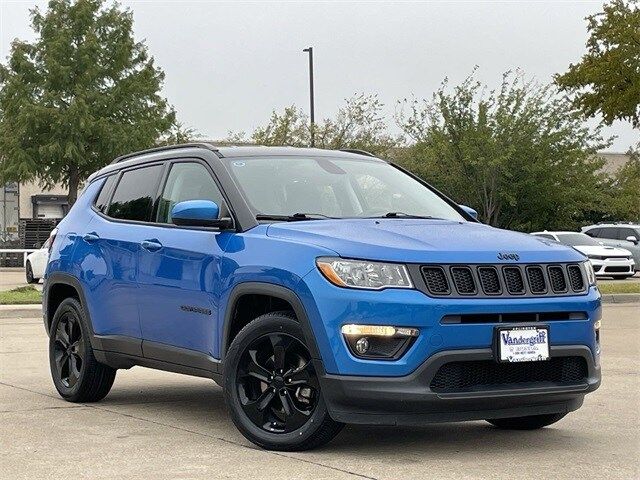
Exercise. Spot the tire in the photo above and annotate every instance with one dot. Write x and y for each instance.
(29, 274)
(271, 388)
(69, 344)
(532, 422)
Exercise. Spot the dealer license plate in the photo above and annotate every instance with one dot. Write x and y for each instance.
(523, 344)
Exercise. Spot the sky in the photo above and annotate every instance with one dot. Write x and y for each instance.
(228, 65)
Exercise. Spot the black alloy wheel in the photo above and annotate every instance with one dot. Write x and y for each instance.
(76, 373)
(69, 350)
(277, 386)
(273, 390)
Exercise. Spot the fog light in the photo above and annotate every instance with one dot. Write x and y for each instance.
(362, 345)
(381, 342)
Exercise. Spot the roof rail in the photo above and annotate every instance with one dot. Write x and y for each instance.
(128, 156)
(357, 151)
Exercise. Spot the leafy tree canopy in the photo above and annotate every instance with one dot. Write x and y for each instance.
(520, 155)
(359, 124)
(81, 94)
(607, 79)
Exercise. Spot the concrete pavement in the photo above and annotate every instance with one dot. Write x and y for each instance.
(161, 425)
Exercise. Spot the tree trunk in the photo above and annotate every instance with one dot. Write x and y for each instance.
(74, 182)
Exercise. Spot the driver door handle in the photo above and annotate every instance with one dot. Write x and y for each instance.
(151, 245)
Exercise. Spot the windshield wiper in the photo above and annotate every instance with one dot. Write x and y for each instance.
(407, 215)
(292, 218)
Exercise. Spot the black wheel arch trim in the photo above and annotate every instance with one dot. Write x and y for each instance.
(273, 290)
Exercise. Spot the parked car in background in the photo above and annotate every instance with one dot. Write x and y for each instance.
(36, 263)
(607, 261)
(623, 235)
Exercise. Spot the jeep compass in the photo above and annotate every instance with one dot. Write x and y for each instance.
(318, 288)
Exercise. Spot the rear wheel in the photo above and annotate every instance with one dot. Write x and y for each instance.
(272, 389)
(29, 274)
(532, 422)
(76, 373)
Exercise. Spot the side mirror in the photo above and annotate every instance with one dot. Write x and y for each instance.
(470, 211)
(632, 239)
(198, 213)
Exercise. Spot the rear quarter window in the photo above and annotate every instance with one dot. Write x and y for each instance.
(102, 199)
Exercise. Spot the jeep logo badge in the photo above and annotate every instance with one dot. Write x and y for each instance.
(508, 256)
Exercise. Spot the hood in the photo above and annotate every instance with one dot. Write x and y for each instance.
(603, 251)
(423, 241)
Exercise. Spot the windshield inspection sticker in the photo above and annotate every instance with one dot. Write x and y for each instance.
(523, 344)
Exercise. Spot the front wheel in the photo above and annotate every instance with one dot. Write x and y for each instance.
(272, 389)
(532, 422)
(29, 274)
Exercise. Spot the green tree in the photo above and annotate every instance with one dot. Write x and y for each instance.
(520, 155)
(607, 79)
(81, 94)
(359, 124)
(625, 190)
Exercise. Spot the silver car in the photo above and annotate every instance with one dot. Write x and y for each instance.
(623, 235)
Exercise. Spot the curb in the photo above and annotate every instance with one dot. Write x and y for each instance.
(21, 311)
(621, 298)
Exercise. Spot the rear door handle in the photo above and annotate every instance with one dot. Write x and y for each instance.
(151, 245)
(91, 237)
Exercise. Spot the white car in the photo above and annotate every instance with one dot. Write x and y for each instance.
(36, 263)
(607, 261)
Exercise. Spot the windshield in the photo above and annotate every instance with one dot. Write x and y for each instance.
(335, 187)
(576, 239)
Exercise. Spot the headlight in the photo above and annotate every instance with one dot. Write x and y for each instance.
(591, 275)
(363, 274)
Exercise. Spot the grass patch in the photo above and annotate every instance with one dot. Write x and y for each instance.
(20, 296)
(619, 286)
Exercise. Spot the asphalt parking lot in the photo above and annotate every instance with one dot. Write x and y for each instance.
(161, 425)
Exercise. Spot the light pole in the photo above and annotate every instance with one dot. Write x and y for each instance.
(312, 116)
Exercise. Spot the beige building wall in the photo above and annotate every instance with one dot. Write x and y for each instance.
(27, 190)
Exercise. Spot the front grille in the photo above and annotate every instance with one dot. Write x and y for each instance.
(463, 280)
(617, 269)
(454, 377)
(489, 280)
(575, 278)
(535, 276)
(558, 281)
(513, 280)
(524, 317)
(436, 280)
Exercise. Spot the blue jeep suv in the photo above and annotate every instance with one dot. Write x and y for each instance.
(317, 288)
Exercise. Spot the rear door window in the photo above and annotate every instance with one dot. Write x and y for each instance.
(135, 194)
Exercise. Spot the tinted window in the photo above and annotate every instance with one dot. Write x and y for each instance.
(187, 181)
(135, 193)
(103, 197)
(626, 232)
(594, 232)
(609, 232)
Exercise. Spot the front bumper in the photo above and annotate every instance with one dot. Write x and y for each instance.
(408, 400)
(612, 267)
